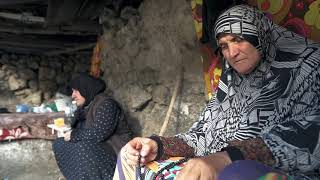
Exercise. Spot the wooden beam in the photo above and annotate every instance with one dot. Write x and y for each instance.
(36, 41)
(24, 18)
(14, 2)
(62, 11)
(64, 30)
(71, 50)
(22, 50)
(30, 44)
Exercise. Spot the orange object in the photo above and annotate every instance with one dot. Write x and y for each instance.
(96, 59)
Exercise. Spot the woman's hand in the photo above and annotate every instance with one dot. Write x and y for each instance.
(67, 136)
(146, 147)
(205, 168)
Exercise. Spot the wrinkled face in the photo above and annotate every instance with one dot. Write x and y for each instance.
(76, 96)
(240, 54)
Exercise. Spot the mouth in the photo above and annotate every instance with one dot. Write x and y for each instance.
(239, 60)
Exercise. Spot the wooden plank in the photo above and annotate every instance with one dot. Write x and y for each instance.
(14, 2)
(49, 42)
(71, 50)
(12, 120)
(30, 44)
(62, 11)
(64, 30)
(24, 18)
(22, 50)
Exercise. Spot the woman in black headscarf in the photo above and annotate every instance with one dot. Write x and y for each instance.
(83, 153)
(267, 107)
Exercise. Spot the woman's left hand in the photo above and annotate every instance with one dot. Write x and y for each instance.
(207, 167)
(67, 135)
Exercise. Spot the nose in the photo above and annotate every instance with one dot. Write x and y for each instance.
(233, 50)
(73, 95)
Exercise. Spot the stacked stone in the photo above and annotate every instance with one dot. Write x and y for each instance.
(32, 79)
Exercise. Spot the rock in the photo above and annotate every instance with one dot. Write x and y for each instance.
(9, 69)
(23, 92)
(62, 78)
(139, 98)
(34, 98)
(15, 83)
(4, 59)
(26, 74)
(47, 95)
(2, 74)
(148, 76)
(47, 86)
(34, 85)
(55, 64)
(128, 13)
(161, 95)
(33, 65)
(46, 73)
(68, 67)
(81, 68)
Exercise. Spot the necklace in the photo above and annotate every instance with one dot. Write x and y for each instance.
(160, 171)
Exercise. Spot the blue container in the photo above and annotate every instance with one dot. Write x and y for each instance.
(22, 108)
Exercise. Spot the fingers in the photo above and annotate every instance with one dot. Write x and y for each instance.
(188, 172)
(142, 146)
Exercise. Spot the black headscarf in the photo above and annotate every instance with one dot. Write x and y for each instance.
(88, 86)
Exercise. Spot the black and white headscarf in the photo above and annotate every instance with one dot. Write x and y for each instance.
(279, 101)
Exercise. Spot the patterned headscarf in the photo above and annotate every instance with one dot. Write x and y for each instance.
(88, 86)
(281, 94)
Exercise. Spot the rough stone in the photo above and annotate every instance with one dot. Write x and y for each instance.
(33, 84)
(15, 83)
(62, 78)
(2, 74)
(81, 68)
(139, 97)
(23, 92)
(33, 64)
(26, 74)
(47, 85)
(46, 73)
(34, 98)
(47, 95)
(161, 95)
(148, 76)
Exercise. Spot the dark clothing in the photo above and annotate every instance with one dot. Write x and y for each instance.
(88, 155)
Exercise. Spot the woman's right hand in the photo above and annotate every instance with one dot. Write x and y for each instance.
(146, 147)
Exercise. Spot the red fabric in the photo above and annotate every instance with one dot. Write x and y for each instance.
(15, 133)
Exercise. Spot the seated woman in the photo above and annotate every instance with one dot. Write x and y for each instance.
(86, 151)
(267, 108)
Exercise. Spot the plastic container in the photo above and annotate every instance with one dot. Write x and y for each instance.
(22, 108)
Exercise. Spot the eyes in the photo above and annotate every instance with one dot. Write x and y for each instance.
(224, 45)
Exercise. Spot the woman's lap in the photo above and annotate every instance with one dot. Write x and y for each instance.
(83, 160)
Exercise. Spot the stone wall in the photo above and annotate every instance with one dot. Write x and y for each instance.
(144, 51)
(33, 79)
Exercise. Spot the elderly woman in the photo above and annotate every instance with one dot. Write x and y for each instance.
(267, 107)
(85, 152)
